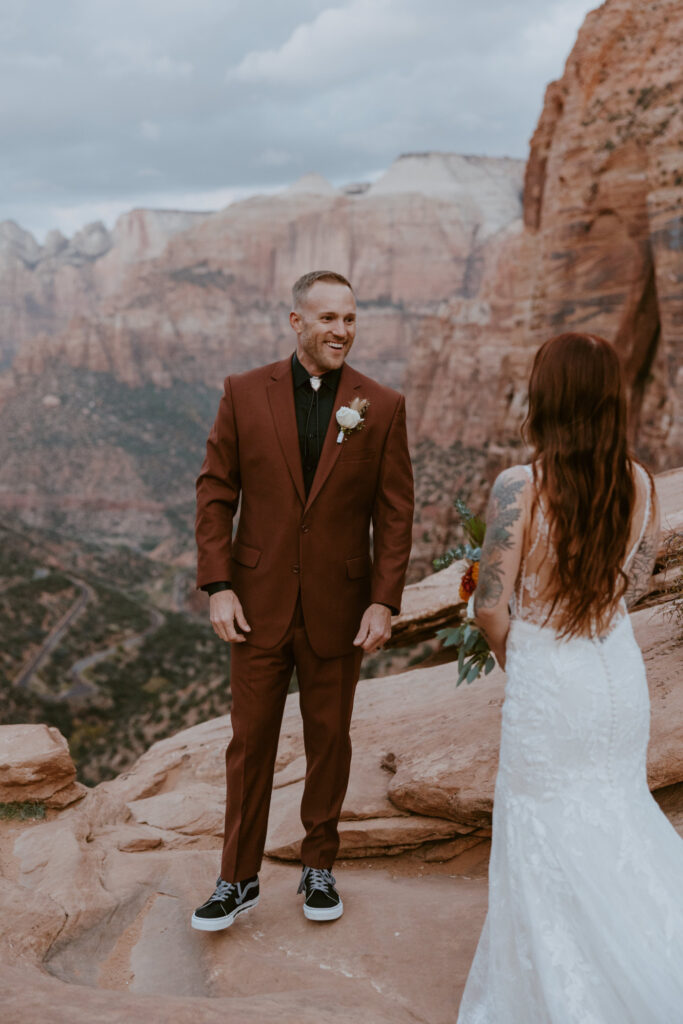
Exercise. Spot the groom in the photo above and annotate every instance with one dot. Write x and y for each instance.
(298, 587)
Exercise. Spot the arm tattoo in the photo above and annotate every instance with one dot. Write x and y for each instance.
(504, 511)
(640, 571)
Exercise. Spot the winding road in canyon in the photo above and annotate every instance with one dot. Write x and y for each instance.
(55, 635)
(81, 686)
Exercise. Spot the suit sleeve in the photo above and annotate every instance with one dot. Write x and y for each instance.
(392, 515)
(218, 491)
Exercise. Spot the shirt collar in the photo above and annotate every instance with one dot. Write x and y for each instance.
(301, 375)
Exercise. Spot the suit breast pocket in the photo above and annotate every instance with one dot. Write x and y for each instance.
(356, 455)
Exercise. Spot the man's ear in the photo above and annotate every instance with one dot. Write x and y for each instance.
(296, 321)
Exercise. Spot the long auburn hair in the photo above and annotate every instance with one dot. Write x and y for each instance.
(577, 423)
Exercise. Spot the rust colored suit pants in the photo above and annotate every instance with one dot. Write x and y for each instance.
(259, 683)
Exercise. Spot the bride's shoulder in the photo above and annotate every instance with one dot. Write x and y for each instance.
(512, 486)
(521, 471)
(515, 476)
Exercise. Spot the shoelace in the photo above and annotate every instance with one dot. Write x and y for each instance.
(317, 878)
(223, 889)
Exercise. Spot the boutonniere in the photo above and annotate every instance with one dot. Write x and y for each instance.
(350, 417)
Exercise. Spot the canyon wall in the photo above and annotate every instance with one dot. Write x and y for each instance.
(42, 288)
(213, 297)
(602, 247)
(604, 197)
(601, 250)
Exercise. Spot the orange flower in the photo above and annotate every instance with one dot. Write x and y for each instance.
(468, 583)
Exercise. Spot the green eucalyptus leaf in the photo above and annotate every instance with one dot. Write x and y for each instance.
(449, 636)
(474, 672)
(462, 509)
(471, 643)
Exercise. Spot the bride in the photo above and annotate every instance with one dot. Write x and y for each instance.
(585, 917)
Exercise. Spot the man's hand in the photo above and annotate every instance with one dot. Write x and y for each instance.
(226, 614)
(375, 628)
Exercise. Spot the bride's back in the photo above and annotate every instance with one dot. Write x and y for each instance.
(535, 589)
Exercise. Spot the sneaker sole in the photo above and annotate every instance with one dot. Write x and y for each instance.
(324, 914)
(217, 924)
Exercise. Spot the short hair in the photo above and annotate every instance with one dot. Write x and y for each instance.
(302, 287)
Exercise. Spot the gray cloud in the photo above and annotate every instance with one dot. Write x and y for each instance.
(107, 104)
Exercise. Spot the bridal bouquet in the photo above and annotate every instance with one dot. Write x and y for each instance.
(474, 653)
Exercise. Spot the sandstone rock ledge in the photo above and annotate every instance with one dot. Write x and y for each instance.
(35, 765)
(96, 899)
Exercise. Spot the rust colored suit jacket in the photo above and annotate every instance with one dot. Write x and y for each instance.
(286, 542)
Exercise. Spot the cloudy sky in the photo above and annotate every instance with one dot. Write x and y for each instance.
(110, 104)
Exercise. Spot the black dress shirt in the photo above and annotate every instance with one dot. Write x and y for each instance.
(313, 411)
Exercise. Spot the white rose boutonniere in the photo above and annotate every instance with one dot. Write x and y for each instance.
(350, 417)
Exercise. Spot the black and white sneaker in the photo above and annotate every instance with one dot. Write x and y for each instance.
(322, 902)
(229, 899)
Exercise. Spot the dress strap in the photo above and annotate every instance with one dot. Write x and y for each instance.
(519, 596)
(646, 517)
(542, 521)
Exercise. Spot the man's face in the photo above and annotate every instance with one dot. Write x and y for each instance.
(325, 326)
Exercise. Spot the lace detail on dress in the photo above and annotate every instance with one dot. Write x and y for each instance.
(585, 920)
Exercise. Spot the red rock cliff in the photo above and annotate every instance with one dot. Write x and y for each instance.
(601, 251)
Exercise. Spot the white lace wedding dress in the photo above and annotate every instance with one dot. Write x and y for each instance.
(585, 918)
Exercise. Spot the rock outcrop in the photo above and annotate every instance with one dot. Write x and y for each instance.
(35, 766)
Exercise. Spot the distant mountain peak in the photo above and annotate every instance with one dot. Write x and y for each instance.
(486, 189)
(312, 184)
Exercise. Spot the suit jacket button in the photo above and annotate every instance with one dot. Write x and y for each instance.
(305, 528)
(295, 568)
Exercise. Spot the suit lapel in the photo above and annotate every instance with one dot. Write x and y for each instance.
(280, 391)
(330, 453)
